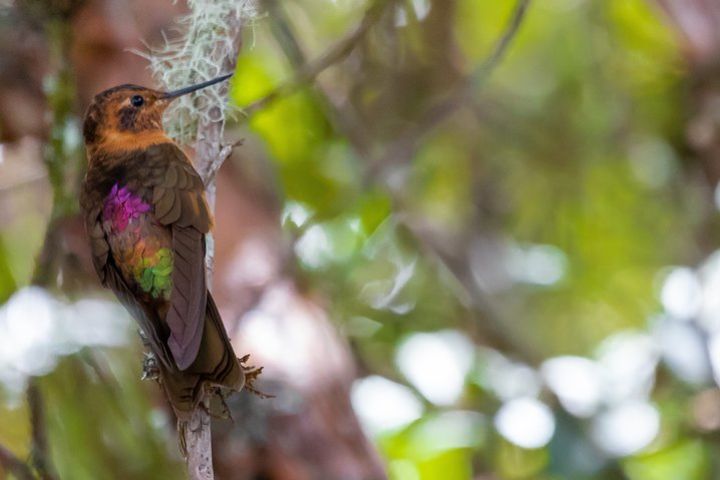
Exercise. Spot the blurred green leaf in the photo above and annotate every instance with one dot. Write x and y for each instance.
(686, 460)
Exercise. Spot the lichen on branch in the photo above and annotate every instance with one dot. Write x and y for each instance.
(210, 31)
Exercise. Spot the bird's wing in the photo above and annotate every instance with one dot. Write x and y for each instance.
(164, 176)
(111, 277)
(179, 203)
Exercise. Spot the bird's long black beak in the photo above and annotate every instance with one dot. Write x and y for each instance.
(183, 91)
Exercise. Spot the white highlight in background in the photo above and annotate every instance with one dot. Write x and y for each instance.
(627, 428)
(714, 353)
(526, 422)
(576, 381)
(314, 248)
(536, 264)
(449, 431)
(683, 349)
(628, 361)
(420, 10)
(436, 364)
(384, 405)
(296, 213)
(36, 328)
(507, 379)
(681, 293)
(709, 272)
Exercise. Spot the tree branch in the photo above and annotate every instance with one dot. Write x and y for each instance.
(208, 48)
(210, 151)
(14, 465)
(307, 72)
(61, 162)
(502, 44)
(404, 147)
(494, 327)
(210, 154)
(39, 453)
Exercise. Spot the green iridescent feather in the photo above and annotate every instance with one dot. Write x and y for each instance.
(154, 274)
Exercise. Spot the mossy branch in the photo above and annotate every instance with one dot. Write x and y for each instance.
(210, 47)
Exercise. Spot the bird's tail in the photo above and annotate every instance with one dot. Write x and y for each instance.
(216, 365)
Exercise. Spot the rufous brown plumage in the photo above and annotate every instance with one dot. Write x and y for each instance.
(146, 218)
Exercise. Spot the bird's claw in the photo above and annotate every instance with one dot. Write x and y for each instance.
(251, 375)
(150, 369)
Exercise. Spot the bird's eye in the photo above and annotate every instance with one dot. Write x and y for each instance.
(137, 100)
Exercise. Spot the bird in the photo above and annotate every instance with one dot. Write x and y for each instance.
(146, 218)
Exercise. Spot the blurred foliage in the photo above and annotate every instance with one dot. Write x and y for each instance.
(116, 410)
(572, 153)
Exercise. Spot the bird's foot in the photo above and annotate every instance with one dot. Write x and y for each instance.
(251, 375)
(150, 369)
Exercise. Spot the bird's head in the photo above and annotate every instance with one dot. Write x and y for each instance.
(129, 117)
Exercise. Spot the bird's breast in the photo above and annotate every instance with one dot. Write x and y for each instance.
(140, 246)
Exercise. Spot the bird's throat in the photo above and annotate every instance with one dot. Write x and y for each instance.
(114, 141)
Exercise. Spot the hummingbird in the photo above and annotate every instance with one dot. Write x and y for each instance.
(146, 218)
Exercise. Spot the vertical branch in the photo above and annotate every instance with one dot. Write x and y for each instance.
(14, 465)
(209, 47)
(61, 162)
(60, 158)
(210, 154)
(39, 452)
(197, 438)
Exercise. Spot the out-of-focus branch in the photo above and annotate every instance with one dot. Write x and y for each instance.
(14, 465)
(486, 317)
(60, 161)
(494, 327)
(61, 164)
(39, 453)
(404, 147)
(308, 71)
(501, 46)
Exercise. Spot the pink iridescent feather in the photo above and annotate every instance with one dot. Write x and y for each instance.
(121, 206)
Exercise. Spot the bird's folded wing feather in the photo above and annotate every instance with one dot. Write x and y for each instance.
(111, 277)
(176, 192)
(145, 316)
(179, 201)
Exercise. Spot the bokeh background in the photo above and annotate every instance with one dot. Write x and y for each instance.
(480, 244)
